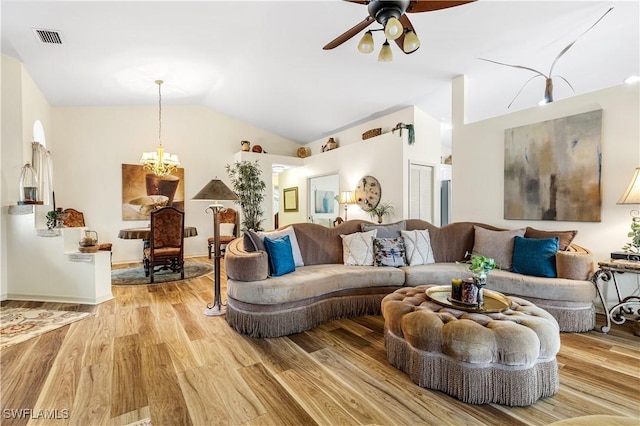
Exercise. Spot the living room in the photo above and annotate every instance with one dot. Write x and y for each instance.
(91, 142)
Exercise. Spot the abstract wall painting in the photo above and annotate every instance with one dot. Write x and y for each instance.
(552, 169)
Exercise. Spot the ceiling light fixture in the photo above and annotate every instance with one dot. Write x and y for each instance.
(366, 43)
(411, 42)
(386, 55)
(393, 29)
(392, 15)
(632, 79)
(159, 162)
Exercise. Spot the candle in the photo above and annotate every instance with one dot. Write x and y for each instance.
(456, 289)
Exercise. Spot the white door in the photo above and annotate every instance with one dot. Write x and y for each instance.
(421, 192)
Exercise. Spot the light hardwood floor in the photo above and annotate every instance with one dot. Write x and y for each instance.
(152, 353)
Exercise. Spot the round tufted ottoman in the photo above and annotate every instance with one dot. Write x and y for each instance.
(506, 358)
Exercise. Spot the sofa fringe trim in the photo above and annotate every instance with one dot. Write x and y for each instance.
(291, 321)
(572, 320)
(471, 383)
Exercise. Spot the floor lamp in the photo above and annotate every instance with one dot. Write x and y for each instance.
(346, 198)
(216, 191)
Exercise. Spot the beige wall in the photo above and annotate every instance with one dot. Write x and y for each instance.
(386, 157)
(478, 164)
(91, 143)
(11, 150)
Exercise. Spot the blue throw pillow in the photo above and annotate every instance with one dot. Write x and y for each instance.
(280, 255)
(536, 257)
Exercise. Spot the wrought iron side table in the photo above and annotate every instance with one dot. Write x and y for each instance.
(627, 306)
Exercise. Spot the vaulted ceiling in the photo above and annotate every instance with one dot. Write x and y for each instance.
(263, 62)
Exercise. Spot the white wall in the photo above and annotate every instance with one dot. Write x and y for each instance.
(478, 165)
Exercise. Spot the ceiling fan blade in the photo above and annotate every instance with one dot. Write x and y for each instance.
(349, 33)
(431, 5)
(365, 2)
(406, 24)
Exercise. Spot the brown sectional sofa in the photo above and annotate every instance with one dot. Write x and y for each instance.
(325, 289)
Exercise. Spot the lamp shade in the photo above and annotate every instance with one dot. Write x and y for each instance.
(347, 197)
(366, 43)
(393, 28)
(411, 42)
(386, 55)
(632, 194)
(215, 190)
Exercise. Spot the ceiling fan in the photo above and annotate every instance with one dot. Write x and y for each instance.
(392, 15)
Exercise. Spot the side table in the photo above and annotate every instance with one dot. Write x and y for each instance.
(625, 307)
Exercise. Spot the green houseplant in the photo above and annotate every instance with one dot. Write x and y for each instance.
(380, 211)
(480, 267)
(52, 216)
(246, 182)
(634, 245)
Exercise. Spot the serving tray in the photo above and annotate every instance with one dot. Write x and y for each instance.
(493, 301)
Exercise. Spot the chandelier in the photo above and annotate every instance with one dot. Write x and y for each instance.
(159, 162)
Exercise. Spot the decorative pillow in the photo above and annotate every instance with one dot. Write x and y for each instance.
(564, 237)
(535, 256)
(258, 241)
(418, 247)
(390, 230)
(226, 229)
(280, 255)
(574, 266)
(496, 244)
(357, 248)
(389, 252)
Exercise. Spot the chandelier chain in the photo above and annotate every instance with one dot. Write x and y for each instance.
(159, 83)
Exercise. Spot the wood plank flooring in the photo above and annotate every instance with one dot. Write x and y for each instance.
(152, 353)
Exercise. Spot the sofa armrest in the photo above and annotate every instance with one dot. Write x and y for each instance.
(242, 265)
(575, 264)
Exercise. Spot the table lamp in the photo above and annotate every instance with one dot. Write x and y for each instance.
(346, 198)
(216, 191)
(632, 196)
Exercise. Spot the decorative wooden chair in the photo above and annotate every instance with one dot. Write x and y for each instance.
(229, 228)
(75, 219)
(166, 242)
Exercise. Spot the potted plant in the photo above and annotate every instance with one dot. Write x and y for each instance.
(480, 267)
(634, 245)
(380, 211)
(246, 182)
(52, 216)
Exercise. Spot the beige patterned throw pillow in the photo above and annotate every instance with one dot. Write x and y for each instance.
(357, 248)
(418, 247)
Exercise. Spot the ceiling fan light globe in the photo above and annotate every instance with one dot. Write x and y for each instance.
(366, 43)
(393, 28)
(411, 42)
(386, 55)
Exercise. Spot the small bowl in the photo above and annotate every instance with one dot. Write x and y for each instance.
(145, 205)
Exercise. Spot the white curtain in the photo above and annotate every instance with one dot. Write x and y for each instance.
(43, 166)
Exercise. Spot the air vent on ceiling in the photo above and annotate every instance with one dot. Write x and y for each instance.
(48, 36)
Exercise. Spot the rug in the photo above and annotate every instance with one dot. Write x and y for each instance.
(135, 274)
(20, 324)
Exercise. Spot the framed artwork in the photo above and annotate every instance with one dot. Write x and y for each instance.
(552, 169)
(142, 191)
(323, 193)
(290, 196)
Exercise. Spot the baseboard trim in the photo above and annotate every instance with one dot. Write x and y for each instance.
(59, 299)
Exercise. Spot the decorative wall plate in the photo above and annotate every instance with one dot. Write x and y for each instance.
(368, 192)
